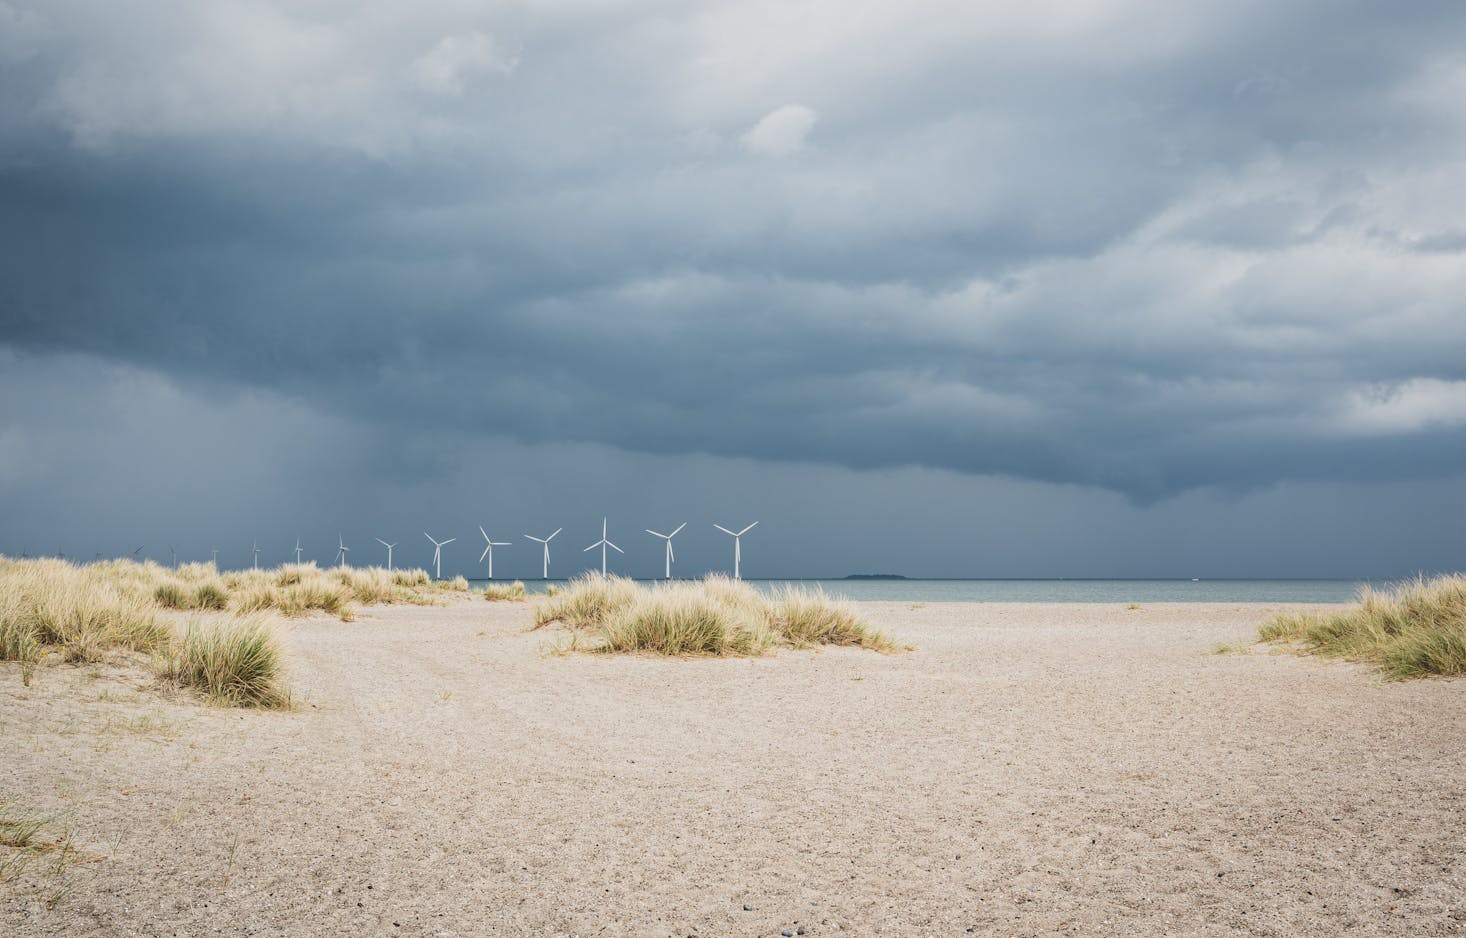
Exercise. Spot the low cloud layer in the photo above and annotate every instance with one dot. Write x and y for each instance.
(1206, 247)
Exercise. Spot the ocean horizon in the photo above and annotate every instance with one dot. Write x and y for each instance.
(1078, 590)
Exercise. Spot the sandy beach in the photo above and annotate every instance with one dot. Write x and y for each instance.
(1026, 770)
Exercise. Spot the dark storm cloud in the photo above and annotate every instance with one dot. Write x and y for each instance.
(1104, 244)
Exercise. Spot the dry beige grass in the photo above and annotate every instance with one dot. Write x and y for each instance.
(1415, 630)
(236, 662)
(88, 613)
(505, 592)
(714, 616)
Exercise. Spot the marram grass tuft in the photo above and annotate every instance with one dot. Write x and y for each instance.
(1414, 630)
(505, 592)
(235, 661)
(717, 616)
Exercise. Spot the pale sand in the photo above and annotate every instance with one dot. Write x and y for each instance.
(1028, 770)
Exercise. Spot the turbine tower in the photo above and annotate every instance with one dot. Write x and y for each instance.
(341, 550)
(438, 554)
(297, 551)
(737, 546)
(255, 550)
(174, 554)
(603, 543)
(389, 550)
(668, 538)
(215, 552)
(489, 545)
(545, 541)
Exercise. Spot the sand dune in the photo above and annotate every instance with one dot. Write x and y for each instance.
(1028, 770)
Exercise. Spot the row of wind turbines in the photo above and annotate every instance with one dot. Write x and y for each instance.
(489, 544)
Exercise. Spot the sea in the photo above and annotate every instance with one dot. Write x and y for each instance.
(1062, 591)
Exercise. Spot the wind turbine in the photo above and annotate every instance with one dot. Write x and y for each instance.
(341, 550)
(174, 554)
(389, 550)
(255, 550)
(668, 538)
(603, 544)
(545, 541)
(215, 552)
(489, 545)
(737, 546)
(297, 551)
(138, 551)
(438, 554)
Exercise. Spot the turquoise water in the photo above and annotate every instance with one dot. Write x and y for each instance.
(1067, 591)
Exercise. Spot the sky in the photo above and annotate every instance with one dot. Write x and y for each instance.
(1086, 288)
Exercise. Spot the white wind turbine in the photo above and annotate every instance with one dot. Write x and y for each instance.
(174, 554)
(545, 541)
(668, 538)
(438, 553)
(341, 550)
(255, 550)
(297, 551)
(215, 552)
(489, 545)
(737, 546)
(389, 550)
(603, 543)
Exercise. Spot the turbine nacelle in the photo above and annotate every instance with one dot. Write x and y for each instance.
(603, 543)
(737, 546)
(671, 556)
(545, 572)
(489, 545)
(438, 553)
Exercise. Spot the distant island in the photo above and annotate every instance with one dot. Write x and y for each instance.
(875, 576)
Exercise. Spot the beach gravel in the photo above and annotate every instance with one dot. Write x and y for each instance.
(1026, 770)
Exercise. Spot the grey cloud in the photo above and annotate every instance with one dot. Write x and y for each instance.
(1138, 253)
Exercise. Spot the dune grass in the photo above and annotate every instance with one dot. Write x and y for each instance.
(809, 617)
(86, 613)
(1416, 629)
(236, 662)
(505, 592)
(716, 616)
(586, 602)
(299, 589)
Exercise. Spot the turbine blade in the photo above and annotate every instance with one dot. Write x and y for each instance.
(747, 529)
(657, 533)
(483, 532)
(725, 530)
(484, 554)
(679, 528)
(593, 546)
(552, 536)
(615, 548)
(428, 536)
(380, 541)
(450, 540)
